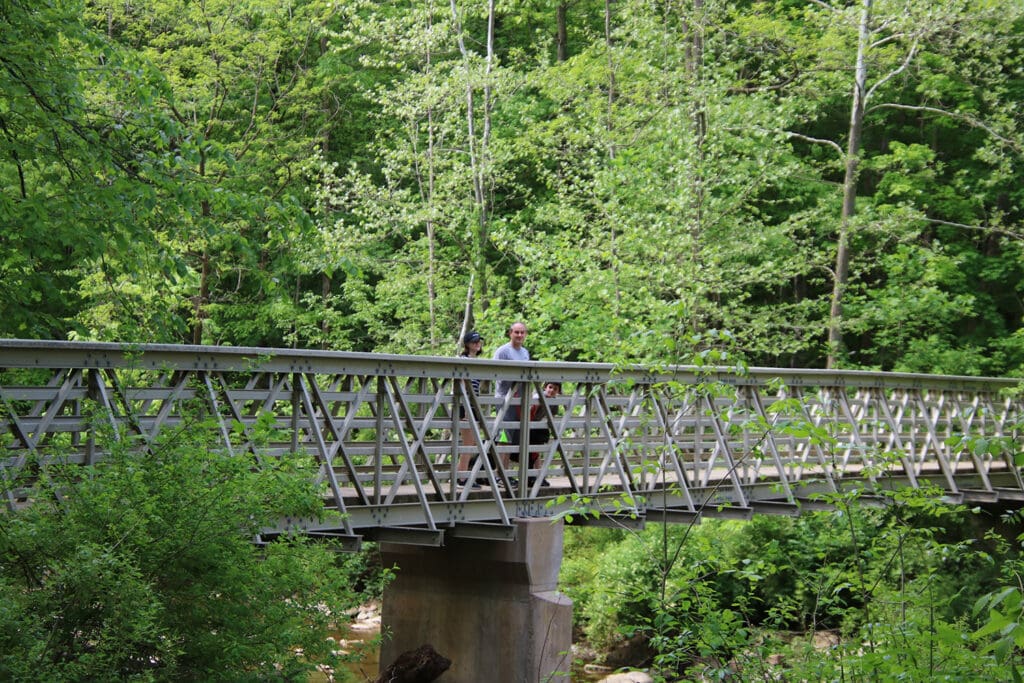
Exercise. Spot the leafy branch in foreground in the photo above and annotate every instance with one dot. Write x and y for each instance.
(144, 568)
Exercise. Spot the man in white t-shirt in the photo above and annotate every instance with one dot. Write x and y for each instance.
(511, 350)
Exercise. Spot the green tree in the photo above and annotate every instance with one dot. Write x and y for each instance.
(652, 220)
(143, 567)
(87, 158)
(624, 176)
(919, 82)
(245, 85)
(411, 228)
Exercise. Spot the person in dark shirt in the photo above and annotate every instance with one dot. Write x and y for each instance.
(541, 435)
(472, 345)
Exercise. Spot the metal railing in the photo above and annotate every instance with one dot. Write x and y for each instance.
(387, 432)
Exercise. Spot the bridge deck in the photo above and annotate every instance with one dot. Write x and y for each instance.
(633, 444)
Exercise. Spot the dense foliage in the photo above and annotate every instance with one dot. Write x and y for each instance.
(833, 182)
(863, 593)
(620, 175)
(143, 567)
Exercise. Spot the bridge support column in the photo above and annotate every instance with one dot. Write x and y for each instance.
(492, 607)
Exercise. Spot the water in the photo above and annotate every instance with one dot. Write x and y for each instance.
(359, 637)
(362, 635)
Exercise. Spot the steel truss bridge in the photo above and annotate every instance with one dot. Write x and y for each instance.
(671, 444)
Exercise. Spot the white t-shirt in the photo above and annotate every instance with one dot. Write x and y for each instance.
(508, 352)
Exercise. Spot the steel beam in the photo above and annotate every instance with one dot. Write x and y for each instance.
(629, 445)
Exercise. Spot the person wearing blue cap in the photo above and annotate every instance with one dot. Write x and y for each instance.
(472, 345)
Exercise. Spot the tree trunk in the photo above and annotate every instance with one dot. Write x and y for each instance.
(561, 34)
(325, 294)
(484, 167)
(203, 295)
(199, 303)
(325, 146)
(609, 125)
(842, 269)
(478, 153)
(698, 114)
(431, 226)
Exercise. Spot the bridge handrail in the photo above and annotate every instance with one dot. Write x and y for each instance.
(633, 441)
(22, 353)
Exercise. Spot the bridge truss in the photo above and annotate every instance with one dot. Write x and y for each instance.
(626, 445)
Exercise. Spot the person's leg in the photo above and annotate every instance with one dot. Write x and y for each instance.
(511, 416)
(466, 438)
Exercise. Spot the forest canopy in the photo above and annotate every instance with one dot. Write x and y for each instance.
(835, 183)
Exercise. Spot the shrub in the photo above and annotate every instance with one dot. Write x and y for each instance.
(143, 567)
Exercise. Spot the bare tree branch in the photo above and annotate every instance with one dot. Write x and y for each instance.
(887, 39)
(819, 141)
(825, 5)
(882, 25)
(970, 120)
(979, 228)
(911, 53)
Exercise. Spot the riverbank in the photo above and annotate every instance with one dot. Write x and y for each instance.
(361, 637)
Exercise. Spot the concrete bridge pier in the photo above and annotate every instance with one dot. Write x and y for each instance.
(492, 607)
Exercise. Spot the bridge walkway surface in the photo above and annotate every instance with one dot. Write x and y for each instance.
(624, 446)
